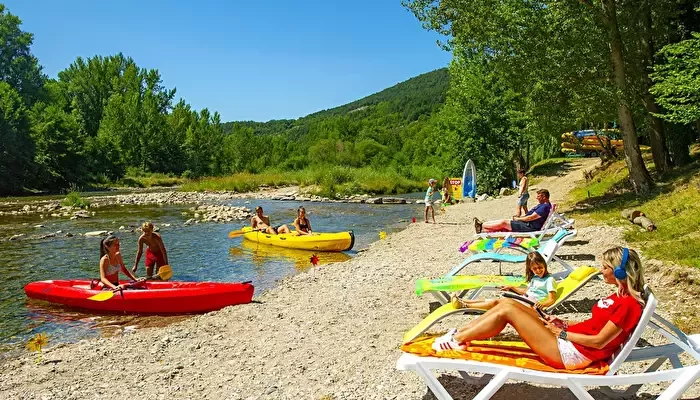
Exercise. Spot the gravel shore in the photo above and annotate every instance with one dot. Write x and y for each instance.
(330, 333)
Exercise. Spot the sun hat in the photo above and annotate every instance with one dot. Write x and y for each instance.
(431, 180)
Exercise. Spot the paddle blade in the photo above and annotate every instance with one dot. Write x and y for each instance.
(165, 272)
(234, 234)
(102, 296)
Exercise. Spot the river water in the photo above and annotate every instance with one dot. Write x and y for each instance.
(198, 252)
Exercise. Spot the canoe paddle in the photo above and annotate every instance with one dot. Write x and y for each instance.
(164, 273)
(239, 232)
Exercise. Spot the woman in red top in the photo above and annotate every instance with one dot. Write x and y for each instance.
(563, 344)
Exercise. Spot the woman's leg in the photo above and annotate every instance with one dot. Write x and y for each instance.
(481, 304)
(531, 329)
(426, 214)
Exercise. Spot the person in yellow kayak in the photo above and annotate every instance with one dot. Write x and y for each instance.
(301, 223)
(111, 262)
(156, 256)
(261, 222)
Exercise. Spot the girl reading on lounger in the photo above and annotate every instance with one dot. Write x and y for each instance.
(560, 343)
(541, 288)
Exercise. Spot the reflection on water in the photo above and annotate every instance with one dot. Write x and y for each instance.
(197, 252)
(260, 254)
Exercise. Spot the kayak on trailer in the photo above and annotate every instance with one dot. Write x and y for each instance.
(340, 241)
(148, 297)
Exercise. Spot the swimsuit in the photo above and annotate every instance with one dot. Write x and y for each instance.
(154, 257)
(111, 269)
(304, 227)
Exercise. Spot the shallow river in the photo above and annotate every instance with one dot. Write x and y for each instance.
(198, 252)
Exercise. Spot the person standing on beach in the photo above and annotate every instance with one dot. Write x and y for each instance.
(429, 199)
(446, 196)
(155, 250)
(523, 195)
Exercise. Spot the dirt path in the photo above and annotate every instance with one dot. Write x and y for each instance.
(330, 333)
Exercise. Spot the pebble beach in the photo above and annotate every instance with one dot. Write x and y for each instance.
(332, 332)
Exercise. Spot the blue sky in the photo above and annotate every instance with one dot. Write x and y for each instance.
(248, 60)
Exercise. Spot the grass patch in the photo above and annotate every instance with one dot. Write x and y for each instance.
(548, 167)
(603, 184)
(135, 178)
(73, 199)
(673, 205)
(331, 181)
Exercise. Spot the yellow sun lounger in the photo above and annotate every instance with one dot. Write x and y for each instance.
(565, 288)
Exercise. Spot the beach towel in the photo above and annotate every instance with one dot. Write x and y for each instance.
(515, 354)
(487, 244)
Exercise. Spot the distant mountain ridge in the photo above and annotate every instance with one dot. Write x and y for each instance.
(411, 98)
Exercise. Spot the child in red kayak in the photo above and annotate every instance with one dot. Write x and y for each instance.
(111, 263)
(155, 250)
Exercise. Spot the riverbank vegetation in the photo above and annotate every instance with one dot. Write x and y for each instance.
(524, 72)
(673, 205)
(332, 182)
(104, 120)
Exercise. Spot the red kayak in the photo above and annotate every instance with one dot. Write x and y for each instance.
(149, 297)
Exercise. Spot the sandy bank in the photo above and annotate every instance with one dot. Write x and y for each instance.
(330, 333)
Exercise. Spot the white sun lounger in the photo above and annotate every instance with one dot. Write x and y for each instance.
(551, 225)
(682, 377)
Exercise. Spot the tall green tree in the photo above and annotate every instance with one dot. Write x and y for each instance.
(16, 146)
(60, 147)
(18, 67)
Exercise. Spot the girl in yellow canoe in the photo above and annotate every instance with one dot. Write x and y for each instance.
(301, 223)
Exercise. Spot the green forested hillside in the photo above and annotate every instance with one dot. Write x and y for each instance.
(105, 118)
(381, 130)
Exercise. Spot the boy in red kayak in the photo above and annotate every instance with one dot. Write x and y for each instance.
(155, 250)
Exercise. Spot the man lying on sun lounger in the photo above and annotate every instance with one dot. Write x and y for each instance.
(531, 222)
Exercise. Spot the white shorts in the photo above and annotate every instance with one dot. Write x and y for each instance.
(570, 356)
(429, 203)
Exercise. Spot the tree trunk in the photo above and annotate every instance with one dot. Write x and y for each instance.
(639, 176)
(657, 137)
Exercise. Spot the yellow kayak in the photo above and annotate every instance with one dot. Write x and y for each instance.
(339, 241)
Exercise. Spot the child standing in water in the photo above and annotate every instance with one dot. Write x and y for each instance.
(541, 287)
(429, 199)
(155, 250)
(523, 195)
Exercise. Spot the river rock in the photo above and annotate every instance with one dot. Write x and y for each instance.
(17, 236)
(374, 200)
(81, 214)
(189, 221)
(96, 233)
(393, 200)
(288, 198)
(39, 226)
